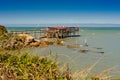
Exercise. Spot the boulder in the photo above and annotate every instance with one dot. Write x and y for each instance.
(27, 38)
(34, 44)
(44, 44)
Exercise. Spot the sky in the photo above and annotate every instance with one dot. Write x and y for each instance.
(59, 11)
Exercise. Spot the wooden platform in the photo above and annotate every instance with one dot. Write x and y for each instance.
(61, 32)
(51, 32)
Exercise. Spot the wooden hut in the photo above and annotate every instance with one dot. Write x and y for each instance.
(60, 32)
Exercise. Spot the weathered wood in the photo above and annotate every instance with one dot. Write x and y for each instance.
(62, 31)
(51, 32)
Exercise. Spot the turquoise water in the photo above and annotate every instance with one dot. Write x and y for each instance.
(24, 28)
(107, 38)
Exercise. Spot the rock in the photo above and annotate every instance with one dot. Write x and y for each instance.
(59, 42)
(50, 43)
(36, 40)
(83, 51)
(45, 39)
(38, 43)
(72, 46)
(23, 40)
(34, 44)
(101, 52)
(27, 38)
(44, 44)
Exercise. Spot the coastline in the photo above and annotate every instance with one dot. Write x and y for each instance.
(100, 39)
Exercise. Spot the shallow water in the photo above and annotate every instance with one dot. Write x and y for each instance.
(109, 41)
(106, 38)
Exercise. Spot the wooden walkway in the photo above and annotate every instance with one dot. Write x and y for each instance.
(35, 33)
(57, 32)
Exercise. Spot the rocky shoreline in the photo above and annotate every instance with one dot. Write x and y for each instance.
(24, 40)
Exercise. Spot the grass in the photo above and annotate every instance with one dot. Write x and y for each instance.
(27, 67)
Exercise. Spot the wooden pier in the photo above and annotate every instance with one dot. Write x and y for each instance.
(35, 33)
(51, 32)
(61, 32)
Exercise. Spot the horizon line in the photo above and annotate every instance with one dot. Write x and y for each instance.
(64, 23)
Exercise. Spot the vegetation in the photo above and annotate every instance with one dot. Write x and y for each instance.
(2, 30)
(3, 33)
(24, 66)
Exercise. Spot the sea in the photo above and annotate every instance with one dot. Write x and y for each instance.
(103, 50)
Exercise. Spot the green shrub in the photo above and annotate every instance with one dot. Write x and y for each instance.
(28, 67)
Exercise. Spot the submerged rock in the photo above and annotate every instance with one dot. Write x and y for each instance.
(59, 42)
(83, 51)
(45, 43)
(72, 46)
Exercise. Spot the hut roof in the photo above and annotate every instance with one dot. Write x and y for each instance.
(57, 28)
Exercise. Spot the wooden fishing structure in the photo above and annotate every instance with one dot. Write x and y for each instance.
(51, 32)
(61, 32)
